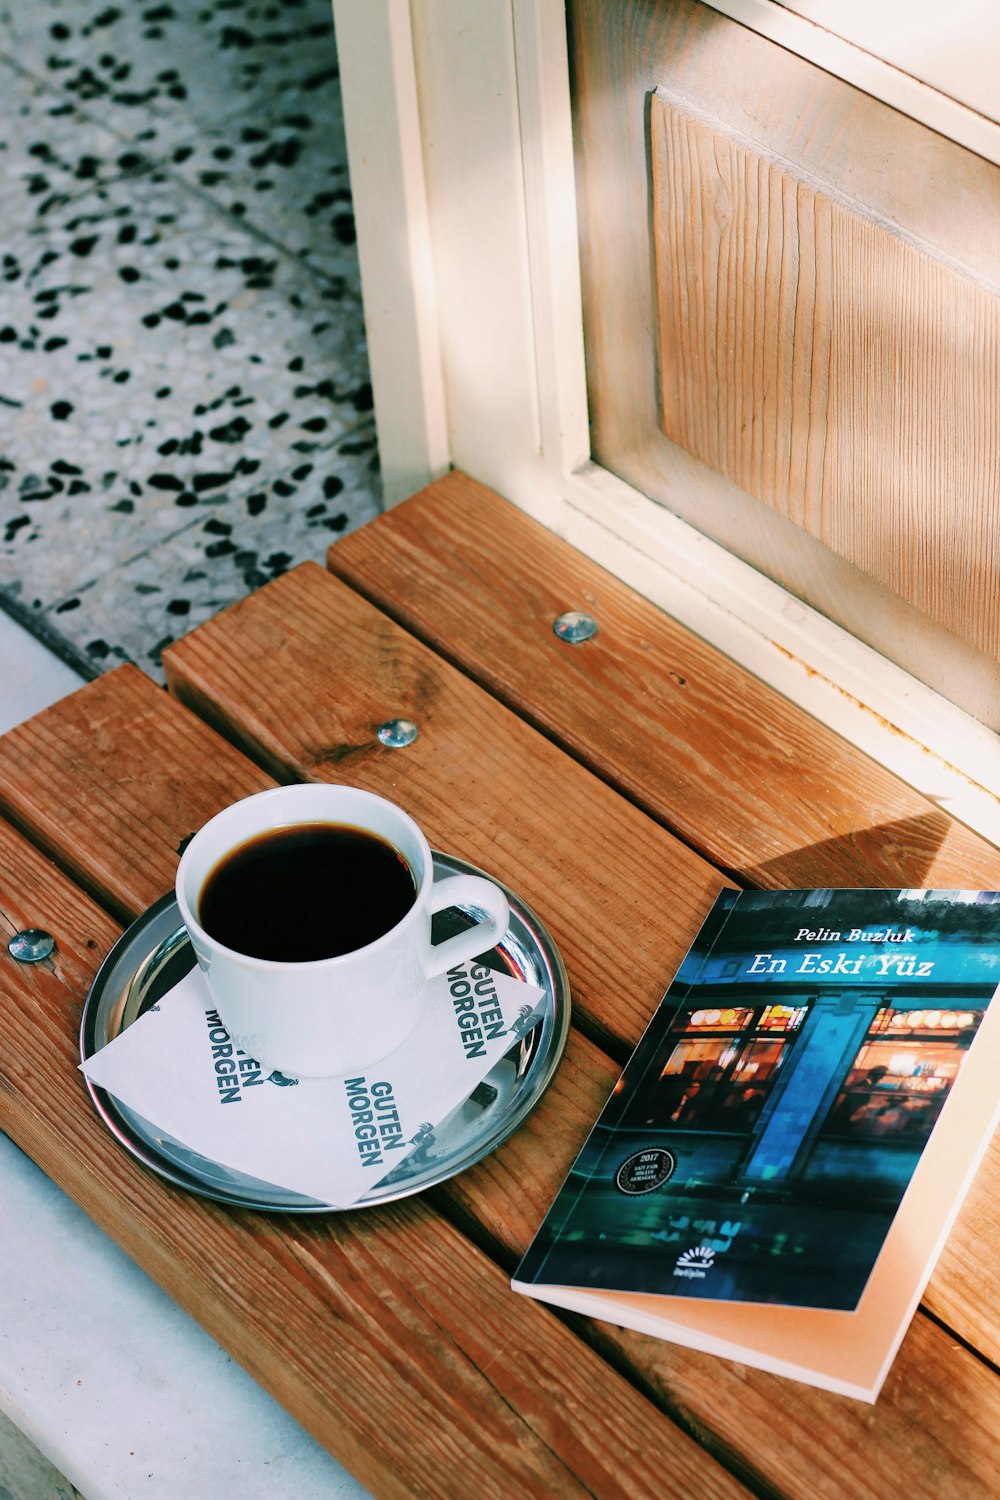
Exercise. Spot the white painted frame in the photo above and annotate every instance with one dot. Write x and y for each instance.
(971, 27)
(460, 148)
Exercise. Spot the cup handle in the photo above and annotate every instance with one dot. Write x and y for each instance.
(475, 891)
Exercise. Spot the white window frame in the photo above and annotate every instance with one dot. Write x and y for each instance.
(460, 148)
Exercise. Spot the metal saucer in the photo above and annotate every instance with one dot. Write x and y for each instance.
(154, 954)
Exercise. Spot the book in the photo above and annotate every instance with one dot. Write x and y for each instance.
(780, 1163)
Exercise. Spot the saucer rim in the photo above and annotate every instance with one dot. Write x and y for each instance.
(99, 1024)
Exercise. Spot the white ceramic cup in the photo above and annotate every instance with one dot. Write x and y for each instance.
(332, 1016)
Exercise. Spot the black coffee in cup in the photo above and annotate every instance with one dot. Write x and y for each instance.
(307, 892)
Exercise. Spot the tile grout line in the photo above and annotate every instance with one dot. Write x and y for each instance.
(51, 101)
(152, 165)
(207, 513)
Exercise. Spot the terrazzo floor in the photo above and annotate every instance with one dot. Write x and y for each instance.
(185, 409)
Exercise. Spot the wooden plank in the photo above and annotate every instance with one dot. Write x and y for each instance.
(244, 670)
(738, 772)
(830, 1447)
(502, 1200)
(674, 746)
(781, 367)
(379, 1330)
(112, 780)
(931, 1432)
(483, 784)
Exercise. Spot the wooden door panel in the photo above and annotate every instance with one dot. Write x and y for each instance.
(792, 327)
(829, 365)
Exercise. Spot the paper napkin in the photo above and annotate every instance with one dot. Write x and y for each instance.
(332, 1139)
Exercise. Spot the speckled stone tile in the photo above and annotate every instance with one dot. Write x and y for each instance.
(282, 169)
(133, 611)
(273, 153)
(49, 152)
(183, 371)
(270, 145)
(156, 360)
(193, 59)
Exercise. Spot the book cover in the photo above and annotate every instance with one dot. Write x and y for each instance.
(780, 1163)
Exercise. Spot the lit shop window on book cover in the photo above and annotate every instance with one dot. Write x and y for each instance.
(778, 1167)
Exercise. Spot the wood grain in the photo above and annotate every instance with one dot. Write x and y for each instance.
(830, 366)
(374, 1327)
(736, 771)
(112, 781)
(822, 1447)
(500, 1202)
(483, 784)
(914, 260)
(380, 1330)
(643, 698)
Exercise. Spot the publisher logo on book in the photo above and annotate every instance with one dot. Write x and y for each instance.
(644, 1171)
(694, 1264)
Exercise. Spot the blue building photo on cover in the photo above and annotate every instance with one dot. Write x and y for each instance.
(776, 1108)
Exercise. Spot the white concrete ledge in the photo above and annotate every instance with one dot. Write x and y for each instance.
(116, 1385)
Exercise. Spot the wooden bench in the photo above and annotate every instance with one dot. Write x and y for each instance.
(616, 785)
